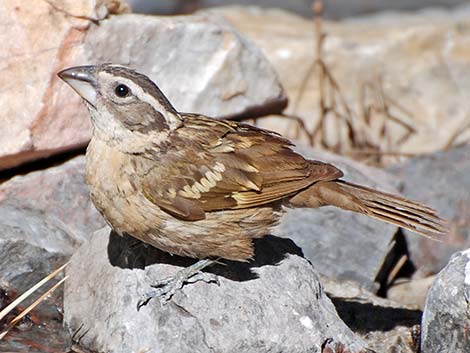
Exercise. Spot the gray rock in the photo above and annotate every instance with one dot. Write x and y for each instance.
(333, 9)
(58, 194)
(200, 62)
(387, 326)
(32, 245)
(44, 216)
(341, 244)
(275, 304)
(446, 314)
(442, 181)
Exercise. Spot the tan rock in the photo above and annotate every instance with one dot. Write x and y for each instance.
(39, 38)
(420, 61)
(411, 292)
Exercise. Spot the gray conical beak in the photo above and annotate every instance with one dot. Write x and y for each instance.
(83, 80)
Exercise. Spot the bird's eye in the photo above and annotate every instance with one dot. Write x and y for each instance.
(122, 90)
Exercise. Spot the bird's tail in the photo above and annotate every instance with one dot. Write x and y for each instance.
(387, 207)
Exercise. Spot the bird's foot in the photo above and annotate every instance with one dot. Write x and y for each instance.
(167, 287)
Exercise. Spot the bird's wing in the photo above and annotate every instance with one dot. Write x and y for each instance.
(228, 165)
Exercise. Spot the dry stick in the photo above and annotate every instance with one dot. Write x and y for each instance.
(301, 124)
(348, 116)
(298, 120)
(399, 107)
(26, 294)
(31, 307)
(398, 266)
(317, 7)
(302, 88)
(456, 135)
(384, 153)
(384, 110)
(332, 100)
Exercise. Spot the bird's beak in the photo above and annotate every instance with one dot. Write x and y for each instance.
(83, 80)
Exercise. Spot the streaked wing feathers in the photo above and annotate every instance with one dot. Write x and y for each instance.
(228, 165)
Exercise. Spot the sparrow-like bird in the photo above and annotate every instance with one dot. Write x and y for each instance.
(199, 187)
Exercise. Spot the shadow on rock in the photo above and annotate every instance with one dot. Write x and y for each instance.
(366, 317)
(128, 252)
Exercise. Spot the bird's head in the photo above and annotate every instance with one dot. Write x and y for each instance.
(122, 102)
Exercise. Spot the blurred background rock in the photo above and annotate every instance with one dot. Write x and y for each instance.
(334, 9)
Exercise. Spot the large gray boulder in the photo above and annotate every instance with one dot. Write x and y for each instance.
(445, 326)
(274, 304)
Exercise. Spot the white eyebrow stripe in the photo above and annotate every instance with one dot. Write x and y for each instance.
(173, 121)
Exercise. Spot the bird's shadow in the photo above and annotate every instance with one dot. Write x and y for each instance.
(365, 317)
(128, 252)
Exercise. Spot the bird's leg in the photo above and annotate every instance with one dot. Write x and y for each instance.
(167, 287)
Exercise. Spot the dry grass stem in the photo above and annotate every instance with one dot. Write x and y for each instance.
(25, 295)
(396, 269)
(362, 133)
(457, 134)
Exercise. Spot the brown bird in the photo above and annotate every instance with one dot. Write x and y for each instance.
(199, 187)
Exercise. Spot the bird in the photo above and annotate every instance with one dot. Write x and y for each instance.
(204, 188)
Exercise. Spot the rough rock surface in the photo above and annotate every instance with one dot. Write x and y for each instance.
(386, 326)
(341, 244)
(32, 245)
(202, 64)
(58, 193)
(442, 181)
(275, 304)
(417, 59)
(38, 38)
(44, 216)
(445, 326)
(411, 291)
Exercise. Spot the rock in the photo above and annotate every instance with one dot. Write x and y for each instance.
(201, 63)
(400, 339)
(59, 194)
(446, 314)
(411, 59)
(38, 38)
(441, 181)
(274, 304)
(32, 245)
(341, 244)
(410, 291)
(333, 9)
(386, 325)
(44, 216)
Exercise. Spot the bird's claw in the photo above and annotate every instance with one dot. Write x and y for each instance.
(167, 287)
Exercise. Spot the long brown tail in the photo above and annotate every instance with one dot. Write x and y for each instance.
(390, 208)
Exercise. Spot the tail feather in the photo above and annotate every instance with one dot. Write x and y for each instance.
(394, 209)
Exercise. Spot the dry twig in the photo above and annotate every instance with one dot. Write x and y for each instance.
(27, 294)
